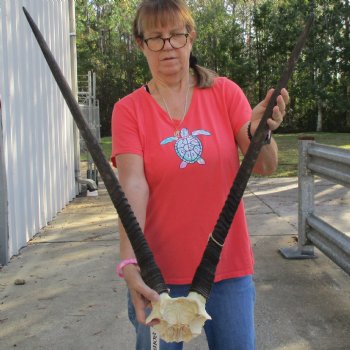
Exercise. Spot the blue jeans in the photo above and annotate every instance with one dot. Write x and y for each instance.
(231, 307)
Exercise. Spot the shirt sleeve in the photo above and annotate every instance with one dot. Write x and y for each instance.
(125, 132)
(238, 105)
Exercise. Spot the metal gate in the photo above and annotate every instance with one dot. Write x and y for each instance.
(333, 164)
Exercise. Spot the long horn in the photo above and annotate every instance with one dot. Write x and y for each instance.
(205, 273)
(150, 272)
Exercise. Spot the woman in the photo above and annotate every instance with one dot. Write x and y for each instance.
(175, 143)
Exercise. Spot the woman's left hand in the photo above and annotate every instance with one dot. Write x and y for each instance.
(279, 111)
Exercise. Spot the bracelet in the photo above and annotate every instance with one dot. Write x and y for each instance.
(122, 264)
(267, 140)
(250, 136)
(215, 241)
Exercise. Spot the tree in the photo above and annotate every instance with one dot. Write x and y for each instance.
(105, 45)
(325, 73)
(248, 41)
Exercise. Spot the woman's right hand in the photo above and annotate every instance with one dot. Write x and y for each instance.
(141, 294)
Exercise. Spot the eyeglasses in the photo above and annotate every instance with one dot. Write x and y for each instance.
(177, 41)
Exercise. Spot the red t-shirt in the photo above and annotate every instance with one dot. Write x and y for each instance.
(189, 176)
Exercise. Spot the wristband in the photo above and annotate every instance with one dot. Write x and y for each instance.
(122, 264)
(267, 140)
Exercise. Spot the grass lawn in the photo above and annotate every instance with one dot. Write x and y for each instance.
(288, 148)
(106, 144)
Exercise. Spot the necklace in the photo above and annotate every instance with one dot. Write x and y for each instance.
(176, 131)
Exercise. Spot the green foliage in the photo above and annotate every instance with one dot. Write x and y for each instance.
(105, 45)
(248, 41)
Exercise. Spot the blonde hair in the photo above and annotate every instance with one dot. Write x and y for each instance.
(153, 13)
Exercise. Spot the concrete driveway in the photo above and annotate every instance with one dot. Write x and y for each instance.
(61, 292)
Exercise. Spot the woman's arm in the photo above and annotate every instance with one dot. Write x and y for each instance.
(267, 161)
(132, 179)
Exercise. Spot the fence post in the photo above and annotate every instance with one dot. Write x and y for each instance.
(306, 195)
(306, 191)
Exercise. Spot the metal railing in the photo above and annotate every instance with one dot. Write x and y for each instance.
(333, 164)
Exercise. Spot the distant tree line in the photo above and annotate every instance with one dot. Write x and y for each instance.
(248, 41)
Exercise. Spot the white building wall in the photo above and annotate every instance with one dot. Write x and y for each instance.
(38, 141)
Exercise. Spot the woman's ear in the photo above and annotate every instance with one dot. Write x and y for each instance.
(193, 36)
(139, 43)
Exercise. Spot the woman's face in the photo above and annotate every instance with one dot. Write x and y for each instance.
(169, 62)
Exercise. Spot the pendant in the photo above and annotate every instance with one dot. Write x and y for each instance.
(176, 133)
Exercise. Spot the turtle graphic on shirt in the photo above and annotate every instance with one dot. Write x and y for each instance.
(188, 147)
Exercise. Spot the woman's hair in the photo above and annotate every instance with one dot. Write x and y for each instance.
(153, 13)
